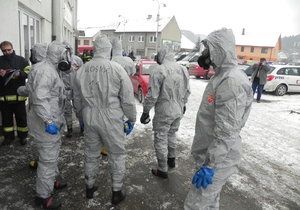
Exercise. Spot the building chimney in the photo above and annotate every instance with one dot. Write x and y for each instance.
(243, 31)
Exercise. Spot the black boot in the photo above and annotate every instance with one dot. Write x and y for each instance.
(59, 184)
(70, 131)
(81, 127)
(171, 162)
(90, 192)
(7, 142)
(117, 197)
(23, 141)
(159, 173)
(47, 203)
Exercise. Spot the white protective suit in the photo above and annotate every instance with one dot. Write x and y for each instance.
(76, 64)
(46, 93)
(39, 52)
(104, 94)
(124, 61)
(68, 78)
(168, 92)
(222, 114)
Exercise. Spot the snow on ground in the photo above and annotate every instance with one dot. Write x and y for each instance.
(270, 168)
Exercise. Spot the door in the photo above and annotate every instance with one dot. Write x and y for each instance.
(293, 79)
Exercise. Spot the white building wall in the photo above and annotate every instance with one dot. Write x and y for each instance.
(26, 22)
(44, 10)
(65, 20)
(9, 23)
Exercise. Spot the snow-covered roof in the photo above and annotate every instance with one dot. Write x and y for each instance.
(256, 40)
(91, 32)
(186, 43)
(146, 25)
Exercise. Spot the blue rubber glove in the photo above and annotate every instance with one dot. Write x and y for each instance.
(203, 177)
(52, 128)
(128, 127)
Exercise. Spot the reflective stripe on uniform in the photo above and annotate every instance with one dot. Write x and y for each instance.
(27, 69)
(13, 98)
(22, 129)
(8, 129)
(22, 98)
(10, 98)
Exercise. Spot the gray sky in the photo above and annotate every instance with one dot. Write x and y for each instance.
(199, 16)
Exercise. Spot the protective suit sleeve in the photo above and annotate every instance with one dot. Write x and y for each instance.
(127, 97)
(76, 92)
(228, 117)
(155, 83)
(40, 96)
(187, 85)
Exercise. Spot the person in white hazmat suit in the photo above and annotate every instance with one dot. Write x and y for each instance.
(38, 53)
(76, 64)
(124, 61)
(45, 120)
(168, 93)
(68, 77)
(104, 94)
(223, 112)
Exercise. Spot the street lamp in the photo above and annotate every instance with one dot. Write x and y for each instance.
(157, 23)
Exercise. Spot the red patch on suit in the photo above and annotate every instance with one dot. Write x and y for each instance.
(210, 99)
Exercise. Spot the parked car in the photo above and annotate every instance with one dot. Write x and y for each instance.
(210, 73)
(181, 55)
(243, 67)
(197, 71)
(140, 80)
(192, 57)
(282, 79)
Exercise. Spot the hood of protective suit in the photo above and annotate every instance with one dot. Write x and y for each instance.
(116, 47)
(102, 47)
(221, 44)
(55, 52)
(68, 46)
(165, 54)
(39, 52)
(77, 60)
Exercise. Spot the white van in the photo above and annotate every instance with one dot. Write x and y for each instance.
(282, 79)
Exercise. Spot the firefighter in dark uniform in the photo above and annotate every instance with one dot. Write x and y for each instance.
(13, 72)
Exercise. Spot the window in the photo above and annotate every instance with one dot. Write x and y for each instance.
(252, 49)
(292, 71)
(152, 39)
(79, 42)
(86, 42)
(264, 50)
(242, 49)
(29, 27)
(131, 39)
(120, 37)
(141, 39)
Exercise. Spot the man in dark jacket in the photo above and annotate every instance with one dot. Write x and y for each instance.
(13, 72)
(259, 77)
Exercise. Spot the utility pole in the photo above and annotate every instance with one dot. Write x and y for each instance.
(157, 24)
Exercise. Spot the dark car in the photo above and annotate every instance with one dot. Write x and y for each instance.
(140, 80)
